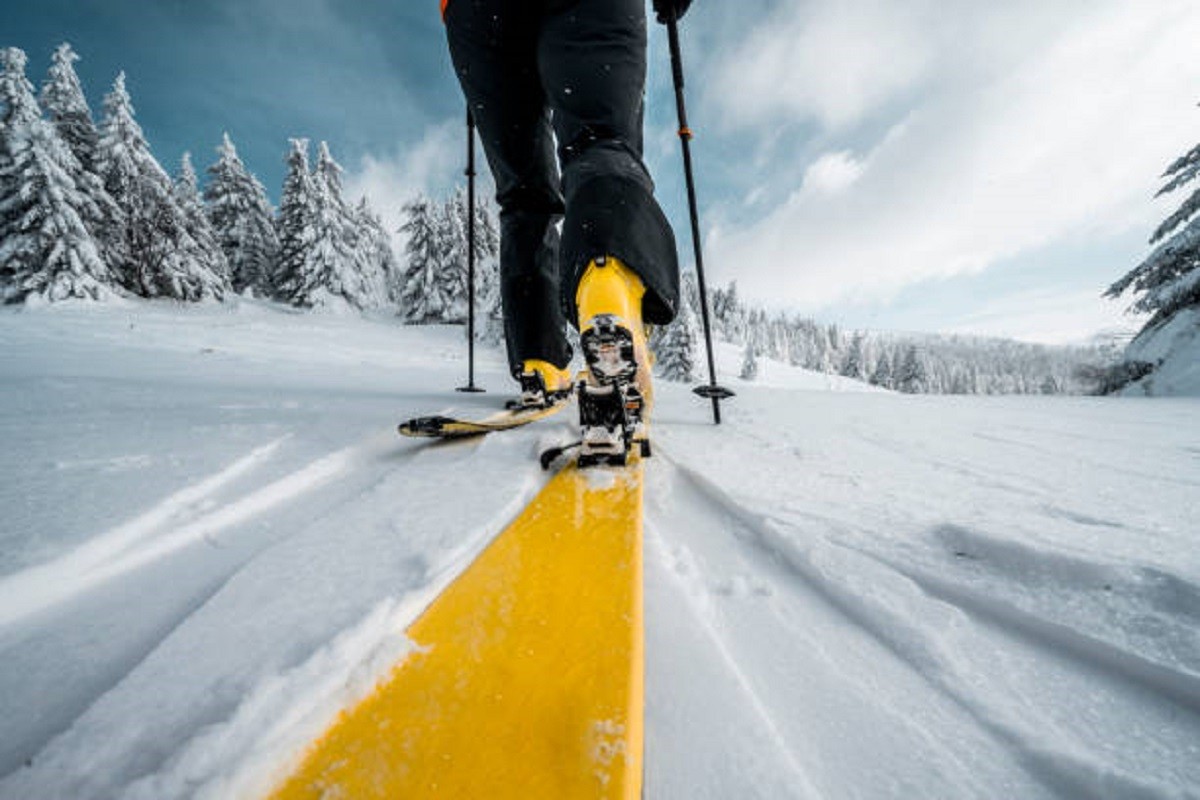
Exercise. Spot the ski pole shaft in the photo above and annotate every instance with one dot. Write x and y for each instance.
(712, 391)
(470, 173)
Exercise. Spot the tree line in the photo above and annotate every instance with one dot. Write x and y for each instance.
(910, 363)
(88, 212)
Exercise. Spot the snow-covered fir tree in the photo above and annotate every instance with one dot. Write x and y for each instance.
(452, 246)
(749, 371)
(243, 221)
(675, 345)
(333, 269)
(294, 224)
(882, 374)
(729, 316)
(1168, 280)
(910, 376)
(158, 260)
(855, 364)
(201, 238)
(46, 249)
(489, 312)
(65, 105)
(375, 246)
(424, 298)
(489, 302)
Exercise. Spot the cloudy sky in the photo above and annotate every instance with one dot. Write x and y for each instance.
(920, 165)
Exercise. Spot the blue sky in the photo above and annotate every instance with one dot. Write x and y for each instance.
(968, 167)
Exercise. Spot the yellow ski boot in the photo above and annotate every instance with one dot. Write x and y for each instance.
(615, 396)
(542, 385)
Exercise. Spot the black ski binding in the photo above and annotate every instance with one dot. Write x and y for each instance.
(608, 349)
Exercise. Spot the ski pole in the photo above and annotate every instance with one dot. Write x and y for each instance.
(712, 390)
(470, 173)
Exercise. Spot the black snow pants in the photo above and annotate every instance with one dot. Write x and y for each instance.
(573, 71)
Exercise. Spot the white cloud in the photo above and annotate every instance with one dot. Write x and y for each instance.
(831, 60)
(1017, 140)
(431, 166)
(832, 173)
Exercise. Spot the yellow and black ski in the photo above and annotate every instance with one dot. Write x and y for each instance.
(449, 427)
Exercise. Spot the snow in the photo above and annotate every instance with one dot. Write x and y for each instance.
(1176, 344)
(213, 541)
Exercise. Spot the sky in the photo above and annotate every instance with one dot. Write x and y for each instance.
(968, 167)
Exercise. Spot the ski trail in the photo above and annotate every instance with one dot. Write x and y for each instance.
(1029, 696)
(1172, 685)
(811, 669)
(134, 544)
(748, 756)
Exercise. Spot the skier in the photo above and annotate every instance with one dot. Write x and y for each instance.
(536, 71)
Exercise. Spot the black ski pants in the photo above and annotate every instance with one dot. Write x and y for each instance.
(537, 73)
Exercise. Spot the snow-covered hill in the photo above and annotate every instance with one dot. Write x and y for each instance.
(212, 540)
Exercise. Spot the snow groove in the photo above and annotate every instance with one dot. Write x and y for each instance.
(936, 629)
(174, 523)
(794, 774)
(1172, 685)
(785, 636)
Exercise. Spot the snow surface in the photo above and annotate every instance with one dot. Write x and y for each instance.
(1175, 347)
(213, 540)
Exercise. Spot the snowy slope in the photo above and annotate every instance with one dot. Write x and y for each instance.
(1175, 348)
(213, 541)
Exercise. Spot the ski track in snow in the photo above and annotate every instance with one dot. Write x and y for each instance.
(1143, 695)
(814, 662)
(153, 546)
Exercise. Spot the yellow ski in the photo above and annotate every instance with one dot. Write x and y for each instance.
(528, 678)
(444, 427)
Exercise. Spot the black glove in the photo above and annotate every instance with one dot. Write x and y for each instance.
(665, 8)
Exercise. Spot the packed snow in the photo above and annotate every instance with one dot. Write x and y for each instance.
(213, 540)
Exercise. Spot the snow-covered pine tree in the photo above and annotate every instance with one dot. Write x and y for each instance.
(749, 361)
(294, 224)
(882, 374)
(158, 256)
(728, 314)
(423, 299)
(375, 248)
(46, 249)
(331, 270)
(66, 106)
(675, 345)
(489, 305)
(855, 364)
(243, 221)
(200, 235)
(452, 244)
(911, 377)
(1169, 278)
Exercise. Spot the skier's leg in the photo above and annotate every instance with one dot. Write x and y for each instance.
(592, 59)
(493, 46)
